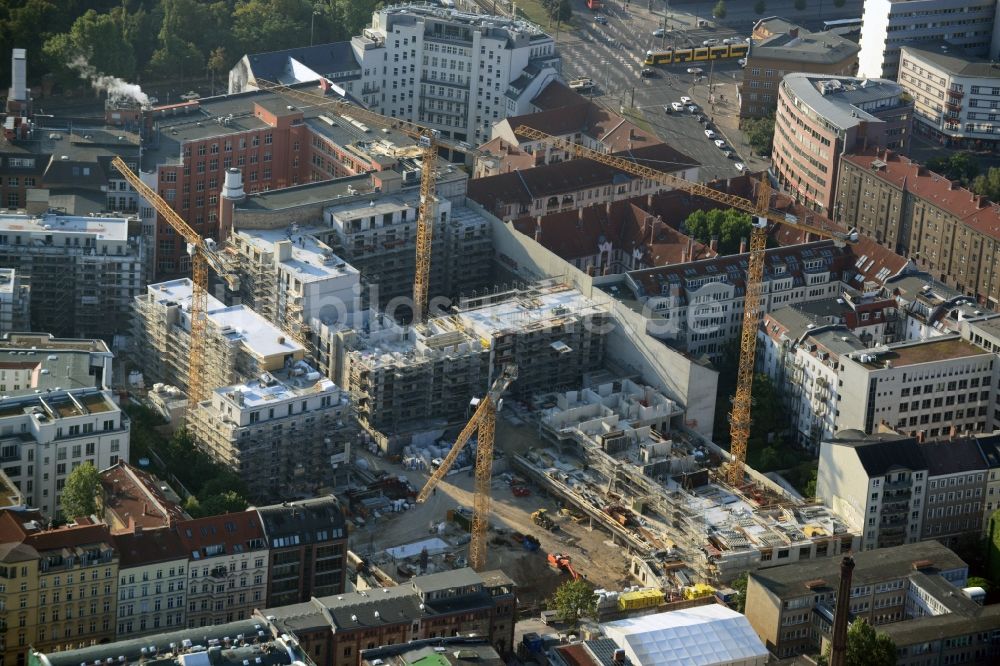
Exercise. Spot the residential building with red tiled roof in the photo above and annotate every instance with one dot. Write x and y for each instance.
(227, 558)
(62, 584)
(134, 498)
(152, 582)
(947, 230)
(568, 185)
(555, 95)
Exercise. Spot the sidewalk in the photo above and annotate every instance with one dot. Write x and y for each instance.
(725, 116)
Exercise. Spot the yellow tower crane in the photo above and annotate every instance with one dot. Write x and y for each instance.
(483, 422)
(740, 415)
(428, 139)
(203, 254)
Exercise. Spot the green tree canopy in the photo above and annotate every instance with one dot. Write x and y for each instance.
(83, 494)
(958, 166)
(214, 505)
(573, 600)
(988, 184)
(729, 226)
(719, 11)
(740, 585)
(95, 40)
(760, 134)
(558, 10)
(866, 647)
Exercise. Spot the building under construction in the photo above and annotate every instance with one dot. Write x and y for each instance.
(15, 305)
(621, 449)
(83, 272)
(240, 344)
(406, 379)
(286, 432)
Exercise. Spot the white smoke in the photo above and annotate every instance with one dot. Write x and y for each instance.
(116, 88)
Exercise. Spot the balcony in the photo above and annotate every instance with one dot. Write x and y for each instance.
(953, 105)
(957, 94)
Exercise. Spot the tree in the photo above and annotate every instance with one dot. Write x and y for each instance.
(217, 63)
(760, 133)
(760, 7)
(98, 39)
(958, 166)
(800, 5)
(979, 581)
(719, 11)
(728, 226)
(866, 647)
(740, 585)
(988, 184)
(83, 494)
(573, 600)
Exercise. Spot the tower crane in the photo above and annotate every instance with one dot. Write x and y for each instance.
(429, 141)
(740, 415)
(484, 422)
(204, 255)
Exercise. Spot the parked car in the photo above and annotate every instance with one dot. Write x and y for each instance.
(647, 73)
(710, 42)
(695, 70)
(720, 144)
(710, 134)
(677, 106)
(693, 108)
(740, 167)
(742, 62)
(731, 40)
(659, 32)
(686, 101)
(727, 153)
(600, 18)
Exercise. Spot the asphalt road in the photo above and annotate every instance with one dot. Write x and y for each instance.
(740, 14)
(612, 56)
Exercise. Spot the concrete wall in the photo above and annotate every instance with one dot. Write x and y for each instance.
(628, 345)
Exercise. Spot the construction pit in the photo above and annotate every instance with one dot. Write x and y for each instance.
(393, 541)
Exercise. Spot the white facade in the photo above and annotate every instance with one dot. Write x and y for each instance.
(889, 24)
(452, 71)
(937, 387)
(151, 597)
(45, 437)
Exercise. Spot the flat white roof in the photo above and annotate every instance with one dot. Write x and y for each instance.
(700, 636)
(260, 336)
(523, 310)
(360, 210)
(103, 228)
(282, 387)
(311, 260)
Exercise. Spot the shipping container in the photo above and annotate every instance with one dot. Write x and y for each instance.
(640, 599)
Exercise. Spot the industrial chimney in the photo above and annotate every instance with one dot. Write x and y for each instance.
(18, 103)
(232, 193)
(838, 656)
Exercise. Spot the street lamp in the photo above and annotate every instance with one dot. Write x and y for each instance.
(312, 26)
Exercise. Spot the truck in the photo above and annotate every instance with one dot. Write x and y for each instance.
(582, 86)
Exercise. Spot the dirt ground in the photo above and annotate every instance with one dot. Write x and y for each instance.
(594, 557)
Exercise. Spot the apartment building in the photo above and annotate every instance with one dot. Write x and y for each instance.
(929, 309)
(15, 302)
(792, 608)
(230, 644)
(378, 237)
(897, 490)
(283, 433)
(575, 119)
(697, 306)
(937, 387)
(949, 87)
(61, 585)
(891, 24)
(949, 231)
(450, 70)
(136, 500)
(820, 117)
(335, 630)
(83, 271)
(779, 47)
(152, 578)
(570, 185)
(227, 561)
(307, 542)
(991, 498)
(241, 343)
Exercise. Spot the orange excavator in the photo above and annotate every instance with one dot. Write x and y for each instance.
(563, 563)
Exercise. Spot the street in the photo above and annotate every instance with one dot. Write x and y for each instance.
(611, 55)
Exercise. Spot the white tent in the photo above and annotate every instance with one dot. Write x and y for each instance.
(711, 635)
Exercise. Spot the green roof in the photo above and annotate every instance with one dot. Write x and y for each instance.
(430, 660)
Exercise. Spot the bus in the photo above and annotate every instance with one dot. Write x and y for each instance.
(842, 23)
(594, 5)
(697, 54)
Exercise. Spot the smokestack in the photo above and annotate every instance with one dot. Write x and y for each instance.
(838, 656)
(743, 245)
(538, 229)
(713, 244)
(19, 76)
(232, 193)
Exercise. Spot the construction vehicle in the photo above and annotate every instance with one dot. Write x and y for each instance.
(429, 140)
(204, 254)
(563, 563)
(483, 423)
(760, 209)
(541, 518)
